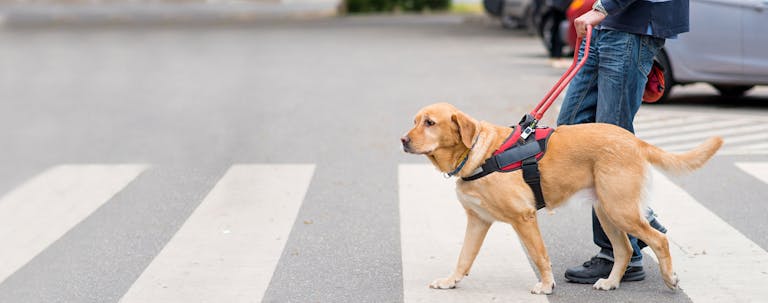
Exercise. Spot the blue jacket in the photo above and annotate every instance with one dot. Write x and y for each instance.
(667, 18)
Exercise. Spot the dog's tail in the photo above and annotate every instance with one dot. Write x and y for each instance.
(684, 162)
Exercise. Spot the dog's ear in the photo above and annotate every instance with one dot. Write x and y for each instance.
(467, 127)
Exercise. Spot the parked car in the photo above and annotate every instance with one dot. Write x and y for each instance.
(512, 13)
(727, 47)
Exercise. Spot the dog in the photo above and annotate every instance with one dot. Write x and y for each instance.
(604, 160)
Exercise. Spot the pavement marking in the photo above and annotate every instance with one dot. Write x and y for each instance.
(674, 131)
(757, 169)
(645, 115)
(715, 262)
(701, 135)
(44, 208)
(728, 142)
(672, 122)
(689, 129)
(228, 249)
(432, 224)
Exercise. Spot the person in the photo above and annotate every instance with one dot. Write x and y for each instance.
(626, 36)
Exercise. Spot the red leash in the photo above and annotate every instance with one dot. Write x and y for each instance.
(561, 84)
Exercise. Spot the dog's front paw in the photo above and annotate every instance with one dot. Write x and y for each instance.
(445, 283)
(606, 284)
(541, 289)
(672, 281)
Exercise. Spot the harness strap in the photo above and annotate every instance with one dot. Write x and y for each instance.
(517, 153)
(533, 178)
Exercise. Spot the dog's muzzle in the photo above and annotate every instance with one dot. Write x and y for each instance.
(406, 144)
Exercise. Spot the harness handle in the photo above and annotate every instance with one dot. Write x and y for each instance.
(561, 84)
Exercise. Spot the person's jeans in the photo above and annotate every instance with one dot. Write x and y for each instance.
(609, 89)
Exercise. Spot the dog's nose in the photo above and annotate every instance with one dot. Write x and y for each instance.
(405, 140)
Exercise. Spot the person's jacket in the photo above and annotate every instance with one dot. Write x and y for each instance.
(666, 18)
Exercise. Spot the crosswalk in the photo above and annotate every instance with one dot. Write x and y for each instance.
(229, 247)
(679, 131)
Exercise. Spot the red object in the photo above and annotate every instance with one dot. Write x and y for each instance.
(561, 84)
(510, 141)
(542, 133)
(576, 9)
(654, 88)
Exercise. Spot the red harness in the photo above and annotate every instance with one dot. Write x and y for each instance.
(541, 136)
(515, 153)
(519, 153)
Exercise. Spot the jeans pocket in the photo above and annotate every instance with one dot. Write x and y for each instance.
(649, 47)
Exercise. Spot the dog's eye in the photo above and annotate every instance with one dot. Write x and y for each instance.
(429, 122)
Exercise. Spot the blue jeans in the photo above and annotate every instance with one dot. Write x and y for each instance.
(608, 89)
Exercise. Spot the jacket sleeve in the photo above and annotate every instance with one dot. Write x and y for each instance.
(615, 6)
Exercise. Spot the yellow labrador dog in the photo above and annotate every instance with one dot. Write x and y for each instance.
(602, 159)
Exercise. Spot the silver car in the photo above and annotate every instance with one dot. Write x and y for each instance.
(727, 47)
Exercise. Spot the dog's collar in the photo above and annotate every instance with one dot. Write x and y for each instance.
(464, 157)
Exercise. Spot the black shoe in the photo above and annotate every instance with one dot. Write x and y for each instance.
(596, 268)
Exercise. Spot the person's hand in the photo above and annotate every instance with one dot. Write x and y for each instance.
(592, 17)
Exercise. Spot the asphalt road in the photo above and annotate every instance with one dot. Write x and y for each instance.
(190, 102)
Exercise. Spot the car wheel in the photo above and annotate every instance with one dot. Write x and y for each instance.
(732, 90)
(669, 81)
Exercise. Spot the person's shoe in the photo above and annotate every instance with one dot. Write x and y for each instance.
(597, 268)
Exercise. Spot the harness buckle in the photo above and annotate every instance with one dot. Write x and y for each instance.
(527, 132)
(529, 122)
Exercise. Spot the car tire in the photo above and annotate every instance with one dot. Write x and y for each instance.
(669, 81)
(732, 90)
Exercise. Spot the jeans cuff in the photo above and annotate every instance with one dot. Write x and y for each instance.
(608, 255)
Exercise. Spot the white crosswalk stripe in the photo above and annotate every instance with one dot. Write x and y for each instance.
(228, 248)
(432, 226)
(43, 209)
(681, 131)
(757, 169)
(715, 262)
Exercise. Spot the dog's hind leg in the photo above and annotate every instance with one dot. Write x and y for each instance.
(473, 239)
(527, 227)
(622, 251)
(640, 228)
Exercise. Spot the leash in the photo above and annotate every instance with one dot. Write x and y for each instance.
(530, 120)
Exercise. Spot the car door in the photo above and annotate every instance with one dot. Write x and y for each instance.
(714, 44)
(755, 29)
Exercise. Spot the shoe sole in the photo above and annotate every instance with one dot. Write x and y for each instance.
(629, 277)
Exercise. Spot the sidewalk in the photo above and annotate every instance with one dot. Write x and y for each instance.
(167, 12)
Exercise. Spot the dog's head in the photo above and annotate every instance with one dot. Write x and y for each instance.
(440, 129)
